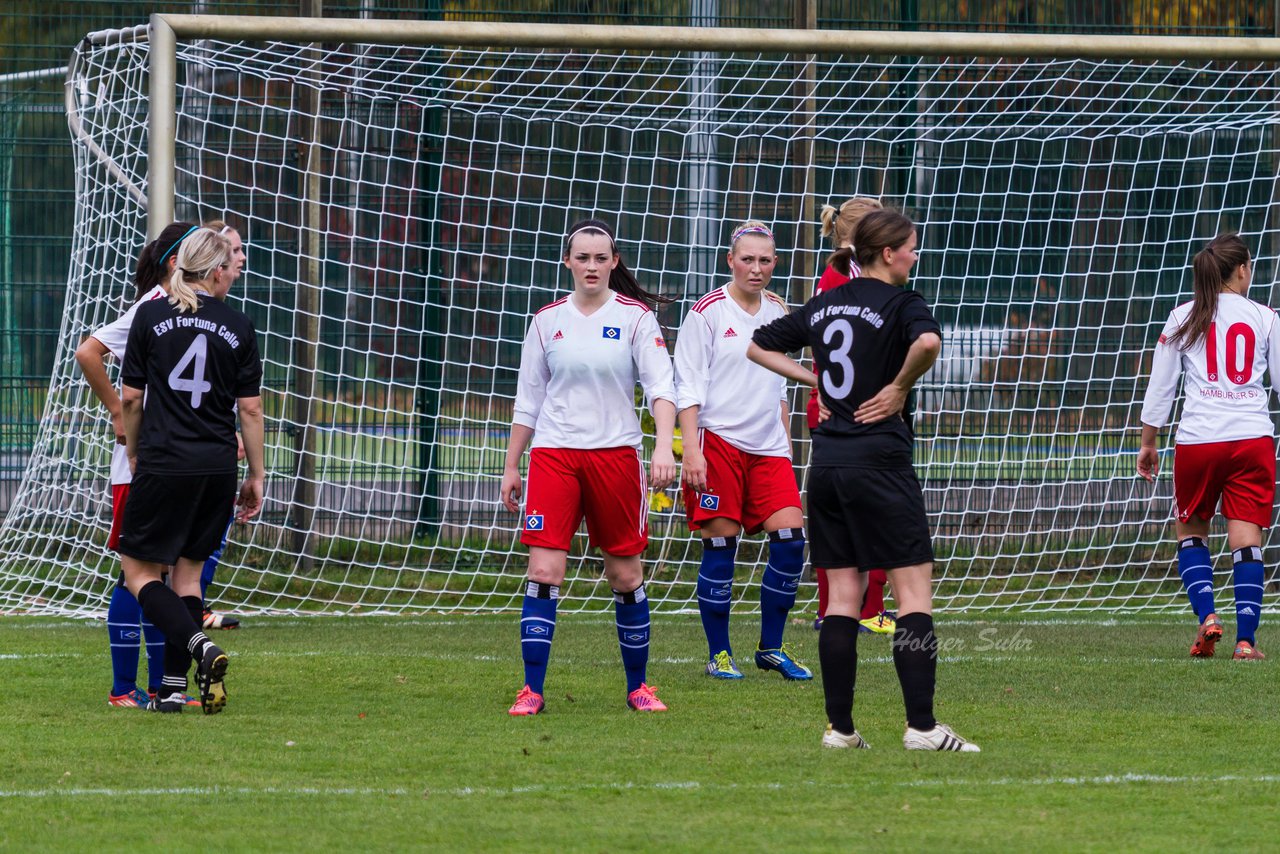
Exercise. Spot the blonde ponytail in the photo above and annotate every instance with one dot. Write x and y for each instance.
(200, 255)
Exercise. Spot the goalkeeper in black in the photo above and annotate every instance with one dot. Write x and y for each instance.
(871, 340)
(190, 361)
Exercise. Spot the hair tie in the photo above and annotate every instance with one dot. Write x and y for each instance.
(750, 229)
(224, 230)
(178, 242)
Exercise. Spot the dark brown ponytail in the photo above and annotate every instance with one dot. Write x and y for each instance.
(1211, 267)
(621, 279)
(150, 269)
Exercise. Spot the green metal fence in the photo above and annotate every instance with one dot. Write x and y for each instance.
(37, 199)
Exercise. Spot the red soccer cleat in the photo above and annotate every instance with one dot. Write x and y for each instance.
(1207, 637)
(1246, 651)
(643, 699)
(528, 702)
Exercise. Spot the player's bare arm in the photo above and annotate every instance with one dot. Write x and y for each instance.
(511, 490)
(693, 466)
(782, 364)
(252, 433)
(890, 399)
(1148, 456)
(131, 416)
(662, 466)
(89, 356)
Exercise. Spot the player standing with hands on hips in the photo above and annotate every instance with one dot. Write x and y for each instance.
(871, 341)
(737, 473)
(194, 358)
(575, 402)
(1221, 342)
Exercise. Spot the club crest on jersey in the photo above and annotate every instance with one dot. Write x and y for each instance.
(658, 342)
(613, 333)
(1164, 339)
(707, 501)
(729, 333)
(533, 522)
(559, 336)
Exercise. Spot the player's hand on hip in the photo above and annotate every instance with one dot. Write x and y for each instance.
(249, 501)
(662, 468)
(1148, 463)
(693, 470)
(887, 403)
(823, 412)
(117, 424)
(510, 492)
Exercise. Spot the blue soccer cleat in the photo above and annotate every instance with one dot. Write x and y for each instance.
(782, 661)
(721, 666)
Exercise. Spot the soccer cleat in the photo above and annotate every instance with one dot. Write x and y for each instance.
(817, 624)
(219, 621)
(782, 661)
(528, 702)
(643, 699)
(839, 740)
(883, 623)
(188, 699)
(209, 676)
(722, 666)
(170, 703)
(1207, 637)
(1246, 651)
(135, 699)
(941, 737)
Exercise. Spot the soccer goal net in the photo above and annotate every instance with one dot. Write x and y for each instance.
(403, 209)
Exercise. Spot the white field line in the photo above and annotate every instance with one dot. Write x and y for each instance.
(1126, 779)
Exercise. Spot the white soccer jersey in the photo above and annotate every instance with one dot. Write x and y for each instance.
(738, 400)
(578, 373)
(1225, 398)
(113, 336)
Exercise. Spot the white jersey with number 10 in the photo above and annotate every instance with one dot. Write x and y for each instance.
(1225, 396)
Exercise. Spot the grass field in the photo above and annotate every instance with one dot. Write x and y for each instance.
(390, 734)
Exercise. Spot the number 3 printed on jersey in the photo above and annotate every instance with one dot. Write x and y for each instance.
(1240, 336)
(839, 356)
(197, 354)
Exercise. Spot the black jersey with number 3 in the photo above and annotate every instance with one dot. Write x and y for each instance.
(193, 368)
(860, 334)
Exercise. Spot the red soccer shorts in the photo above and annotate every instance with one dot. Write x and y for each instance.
(747, 488)
(606, 485)
(119, 494)
(1241, 473)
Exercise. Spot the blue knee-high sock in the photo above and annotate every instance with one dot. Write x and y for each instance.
(1196, 568)
(778, 587)
(715, 591)
(631, 610)
(1248, 577)
(211, 565)
(155, 655)
(537, 627)
(124, 631)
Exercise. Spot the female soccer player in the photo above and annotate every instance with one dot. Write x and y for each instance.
(196, 360)
(841, 267)
(871, 341)
(738, 474)
(575, 400)
(125, 627)
(1222, 342)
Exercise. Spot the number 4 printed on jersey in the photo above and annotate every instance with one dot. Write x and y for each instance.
(197, 354)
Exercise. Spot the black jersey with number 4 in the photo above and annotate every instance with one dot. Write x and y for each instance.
(859, 333)
(193, 368)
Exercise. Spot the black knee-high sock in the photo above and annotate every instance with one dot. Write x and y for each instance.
(838, 658)
(915, 657)
(168, 613)
(177, 658)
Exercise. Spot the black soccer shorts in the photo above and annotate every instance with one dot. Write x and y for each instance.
(173, 516)
(867, 518)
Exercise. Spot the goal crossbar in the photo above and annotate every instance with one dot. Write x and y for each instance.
(166, 29)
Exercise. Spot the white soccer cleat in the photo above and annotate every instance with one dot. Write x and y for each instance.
(839, 740)
(941, 737)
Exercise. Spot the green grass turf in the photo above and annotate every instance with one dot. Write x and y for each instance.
(388, 734)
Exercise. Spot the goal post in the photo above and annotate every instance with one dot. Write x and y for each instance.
(403, 188)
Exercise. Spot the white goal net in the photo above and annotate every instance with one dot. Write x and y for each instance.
(403, 211)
